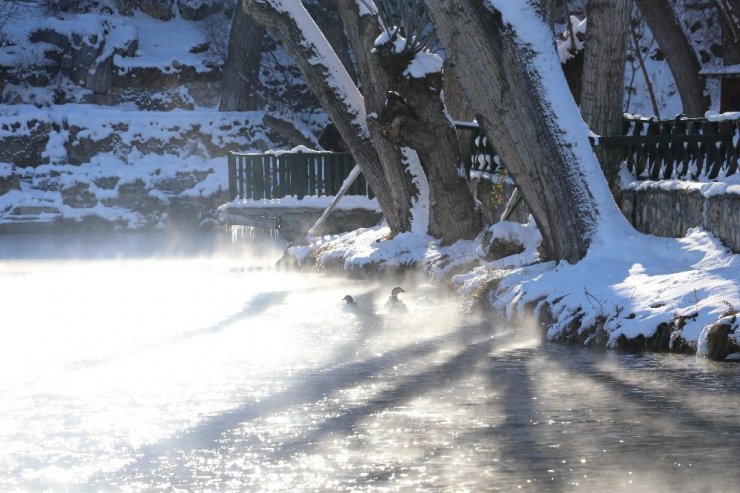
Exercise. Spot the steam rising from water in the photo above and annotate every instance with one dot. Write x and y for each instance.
(201, 372)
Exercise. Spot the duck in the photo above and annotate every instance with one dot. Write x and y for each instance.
(394, 304)
(349, 300)
(349, 304)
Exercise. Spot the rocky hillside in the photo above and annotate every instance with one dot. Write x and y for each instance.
(109, 113)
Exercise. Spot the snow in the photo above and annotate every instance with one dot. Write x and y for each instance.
(313, 201)
(713, 116)
(630, 282)
(420, 203)
(423, 64)
(565, 45)
(337, 76)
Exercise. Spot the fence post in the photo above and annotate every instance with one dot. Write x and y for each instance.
(232, 176)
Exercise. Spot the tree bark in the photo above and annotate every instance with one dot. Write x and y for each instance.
(681, 58)
(361, 33)
(328, 80)
(423, 126)
(497, 73)
(602, 90)
(729, 21)
(241, 73)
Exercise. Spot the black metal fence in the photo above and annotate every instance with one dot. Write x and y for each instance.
(684, 148)
(283, 174)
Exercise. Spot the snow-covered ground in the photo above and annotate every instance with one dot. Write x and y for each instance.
(632, 286)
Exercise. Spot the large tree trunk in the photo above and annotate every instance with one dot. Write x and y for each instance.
(503, 78)
(329, 81)
(681, 58)
(421, 125)
(240, 77)
(361, 33)
(729, 21)
(602, 90)
(419, 121)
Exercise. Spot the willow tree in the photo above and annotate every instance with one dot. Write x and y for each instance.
(421, 126)
(407, 107)
(504, 58)
(328, 79)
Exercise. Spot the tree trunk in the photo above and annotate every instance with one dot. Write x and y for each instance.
(424, 126)
(361, 33)
(729, 21)
(602, 90)
(681, 58)
(329, 81)
(241, 73)
(503, 81)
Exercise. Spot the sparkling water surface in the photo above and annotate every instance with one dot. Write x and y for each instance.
(152, 363)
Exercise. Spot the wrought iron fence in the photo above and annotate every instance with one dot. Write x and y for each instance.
(684, 148)
(277, 175)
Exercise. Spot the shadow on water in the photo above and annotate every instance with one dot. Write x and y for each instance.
(254, 307)
(313, 386)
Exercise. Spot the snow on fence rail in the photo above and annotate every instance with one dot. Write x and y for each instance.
(684, 148)
(283, 174)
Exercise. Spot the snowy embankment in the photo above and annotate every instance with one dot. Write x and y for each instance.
(636, 291)
(630, 291)
(121, 165)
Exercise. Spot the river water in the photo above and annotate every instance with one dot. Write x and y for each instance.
(135, 363)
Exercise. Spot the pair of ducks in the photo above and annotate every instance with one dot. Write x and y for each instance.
(392, 305)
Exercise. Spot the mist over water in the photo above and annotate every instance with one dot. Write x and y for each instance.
(155, 363)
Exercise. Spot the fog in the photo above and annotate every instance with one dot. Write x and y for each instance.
(153, 362)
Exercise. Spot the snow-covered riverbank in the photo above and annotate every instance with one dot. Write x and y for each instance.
(665, 294)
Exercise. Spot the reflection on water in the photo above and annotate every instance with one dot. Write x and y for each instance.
(202, 373)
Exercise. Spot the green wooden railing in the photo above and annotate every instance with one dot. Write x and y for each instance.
(684, 148)
(283, 174)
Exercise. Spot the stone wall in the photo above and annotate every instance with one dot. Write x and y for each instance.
(652, 210)
(672, 212)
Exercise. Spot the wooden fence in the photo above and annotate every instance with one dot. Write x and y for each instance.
(685, 149)
(283, 174)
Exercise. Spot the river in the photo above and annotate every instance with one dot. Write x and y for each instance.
(147, 363)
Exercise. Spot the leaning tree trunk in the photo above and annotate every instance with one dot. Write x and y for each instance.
(681, 58)
(452, 213)
(602, 90)
(422, 124)
(361, 33)
(329, 81)
(240, 78)
(504, 83)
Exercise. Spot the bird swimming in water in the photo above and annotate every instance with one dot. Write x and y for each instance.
(349, 300)
(394, 304)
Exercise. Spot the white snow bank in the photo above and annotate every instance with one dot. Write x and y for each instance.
(313, 201)
(635, 283)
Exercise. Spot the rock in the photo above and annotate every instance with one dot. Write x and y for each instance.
(719, 343)
(723, 220)
(126, 7)
(100, 78)
(191, 10)
(78, 196)
(25, 143)
(78, 52)
(9, 180)
(158, 9)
